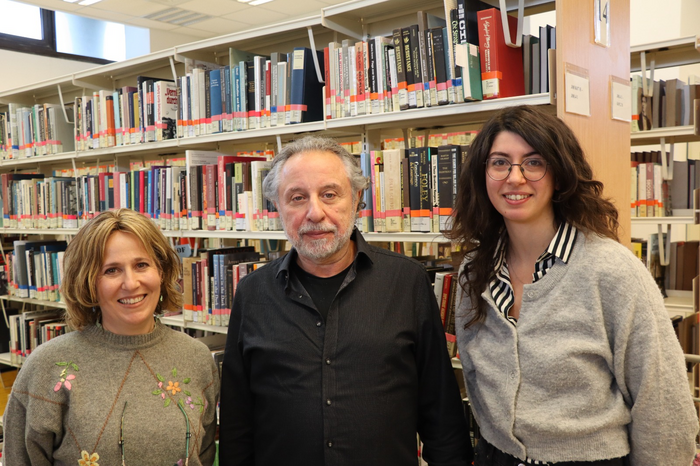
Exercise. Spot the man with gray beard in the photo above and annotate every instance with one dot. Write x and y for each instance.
(335, 355)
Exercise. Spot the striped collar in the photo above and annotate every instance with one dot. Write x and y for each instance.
(560, 248)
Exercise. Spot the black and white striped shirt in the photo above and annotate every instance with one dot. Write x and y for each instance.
(501, 287)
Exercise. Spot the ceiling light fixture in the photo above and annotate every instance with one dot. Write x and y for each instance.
(71, 1)
(88, 2)
(244, 1)
(259, 2)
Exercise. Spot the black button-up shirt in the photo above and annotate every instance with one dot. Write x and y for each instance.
(350, 391)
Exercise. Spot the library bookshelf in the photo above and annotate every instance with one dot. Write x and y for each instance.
(606, 141)
(665, 54)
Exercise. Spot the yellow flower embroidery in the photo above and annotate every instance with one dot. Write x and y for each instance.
(173, 388)
(88, 459)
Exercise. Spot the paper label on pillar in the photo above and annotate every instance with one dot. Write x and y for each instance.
(578, 91)
(620, 99)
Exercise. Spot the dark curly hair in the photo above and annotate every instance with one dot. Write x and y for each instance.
(478, 226)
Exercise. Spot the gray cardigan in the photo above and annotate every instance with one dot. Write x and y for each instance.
(593, 370)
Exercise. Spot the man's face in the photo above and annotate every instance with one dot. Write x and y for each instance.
(316, 206)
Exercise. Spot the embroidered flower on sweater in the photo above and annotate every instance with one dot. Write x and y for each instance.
(65, 377)
(88, 459)
(173, 390)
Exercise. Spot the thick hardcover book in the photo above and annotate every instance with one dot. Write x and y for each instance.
(501, 66)
(166, 104)
(449, 160)
(440, 67)
(214, 113)
(306, 99)
(364, 220)
(393, 200)
(419, 188)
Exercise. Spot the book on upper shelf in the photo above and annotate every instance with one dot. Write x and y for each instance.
(501, 66)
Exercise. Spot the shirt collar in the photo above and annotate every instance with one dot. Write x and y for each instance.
(560, 247)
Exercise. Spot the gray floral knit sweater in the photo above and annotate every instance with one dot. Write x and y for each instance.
(93, 398)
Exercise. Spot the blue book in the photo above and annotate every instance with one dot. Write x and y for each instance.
(236, 90)
(226, 96)
(215, 101)
(117, 118)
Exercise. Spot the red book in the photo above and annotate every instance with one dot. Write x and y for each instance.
(501, 66)
(445, 301)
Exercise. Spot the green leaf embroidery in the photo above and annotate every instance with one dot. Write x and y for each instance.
(187, 380)
(155, 392)
(167, 403)
(201, 409)
(180, 403)
(74, 366)
(186, 393)
(160, 377)
(61, 363)
(174, 372)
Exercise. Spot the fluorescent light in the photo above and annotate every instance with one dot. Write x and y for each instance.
(259, 2)
(88, 2)
(244, 1)
(71, 1)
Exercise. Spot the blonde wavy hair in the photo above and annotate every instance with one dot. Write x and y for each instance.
(84, 257)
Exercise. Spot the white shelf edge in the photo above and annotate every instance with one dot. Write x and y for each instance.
(178, 321)
(674, 131)
(662, 220)
(40, 302)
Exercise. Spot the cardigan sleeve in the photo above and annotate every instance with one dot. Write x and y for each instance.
(650, 371)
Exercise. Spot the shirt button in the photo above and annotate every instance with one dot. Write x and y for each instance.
(512, 375)
(319, 323)
(300, 296)
(530, 294)
(328, 361)
(328, 402)
(330, 444)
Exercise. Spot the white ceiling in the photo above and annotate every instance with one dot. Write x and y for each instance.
(226, 16)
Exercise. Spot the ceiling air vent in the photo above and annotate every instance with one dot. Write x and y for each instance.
(177, 16)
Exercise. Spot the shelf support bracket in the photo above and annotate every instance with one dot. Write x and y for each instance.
(172, 68)
(666, 163)
(506, 26)
(312, 43)
(335, 25)
(63, 105)
(664, 245)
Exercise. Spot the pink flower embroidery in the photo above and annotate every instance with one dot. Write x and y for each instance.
(65, 378)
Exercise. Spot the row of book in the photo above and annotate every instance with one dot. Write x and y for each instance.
(650, 192)
(210, 280)
(205, 190)
(412, 190)
(425, 64)
(682, 257)
(446, 287)
(663, 104)
(40, 129)
(30, 329)
(33, 269)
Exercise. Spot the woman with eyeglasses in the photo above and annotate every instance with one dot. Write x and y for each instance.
(568, 353)
(123, 389)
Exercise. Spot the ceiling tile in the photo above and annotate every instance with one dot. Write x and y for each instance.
(258, 16)
(214, 7)
(133, 8)
(218, 26)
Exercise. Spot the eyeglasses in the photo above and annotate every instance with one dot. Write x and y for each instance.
(533, 169)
